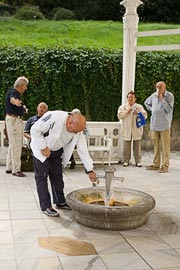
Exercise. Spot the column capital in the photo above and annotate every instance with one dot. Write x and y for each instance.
(131, 6)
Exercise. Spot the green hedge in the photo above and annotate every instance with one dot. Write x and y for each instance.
(29, 13)
(158, 66)
(88, 79)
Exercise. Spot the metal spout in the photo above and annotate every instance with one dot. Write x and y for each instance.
(109, 179)
(109, 175)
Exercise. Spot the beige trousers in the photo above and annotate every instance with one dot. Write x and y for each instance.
(161, 143)
(15, 133)
(136, 151)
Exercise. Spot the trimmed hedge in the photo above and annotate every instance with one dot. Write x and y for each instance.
(88, 79)
(63, 14)
(158, 66)
(29, 13)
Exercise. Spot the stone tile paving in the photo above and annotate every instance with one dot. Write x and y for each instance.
(155, 245)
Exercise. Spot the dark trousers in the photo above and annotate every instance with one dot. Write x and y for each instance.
(51, 167)
(72, 158)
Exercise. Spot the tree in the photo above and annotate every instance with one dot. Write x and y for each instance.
(17, 2)
(160, 11)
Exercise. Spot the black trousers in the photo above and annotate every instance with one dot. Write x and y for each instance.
(51, 167)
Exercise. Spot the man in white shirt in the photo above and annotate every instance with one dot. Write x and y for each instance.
(53, 138)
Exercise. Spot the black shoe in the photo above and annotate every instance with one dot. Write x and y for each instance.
(51, 212)
(63, 206)
(19, 174)
(73, 164)
(8, 172)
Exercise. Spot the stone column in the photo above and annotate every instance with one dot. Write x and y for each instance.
(130, 28)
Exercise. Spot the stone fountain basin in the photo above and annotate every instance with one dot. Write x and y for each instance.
(110, 217)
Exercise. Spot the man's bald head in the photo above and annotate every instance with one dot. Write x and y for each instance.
(42, 108)
(76, 123)
(161, 86)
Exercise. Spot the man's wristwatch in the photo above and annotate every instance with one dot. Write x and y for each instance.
(89, 171)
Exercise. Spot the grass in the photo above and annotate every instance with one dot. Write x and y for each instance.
(68, 34)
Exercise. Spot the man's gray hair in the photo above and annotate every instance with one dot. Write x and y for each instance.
(76, 111)
(20, 81)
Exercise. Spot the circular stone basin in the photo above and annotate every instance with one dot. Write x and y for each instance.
(129, 211)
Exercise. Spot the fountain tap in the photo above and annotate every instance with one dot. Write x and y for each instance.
(109, 188)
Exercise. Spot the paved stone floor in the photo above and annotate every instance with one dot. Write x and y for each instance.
(155, 245)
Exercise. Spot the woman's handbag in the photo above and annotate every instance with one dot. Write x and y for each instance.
(27, 159)
(140, 120)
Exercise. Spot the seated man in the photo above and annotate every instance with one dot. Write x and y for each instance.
(26, 155)
(41, 109)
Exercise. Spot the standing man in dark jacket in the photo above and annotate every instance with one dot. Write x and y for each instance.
(14, 124)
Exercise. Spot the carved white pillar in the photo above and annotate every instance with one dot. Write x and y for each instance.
(130, 28)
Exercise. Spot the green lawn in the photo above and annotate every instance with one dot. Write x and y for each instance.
(92, 34)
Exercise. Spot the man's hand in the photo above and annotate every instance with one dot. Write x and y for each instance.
(16, 101)
(160, 95)
(92, 176)
(46, 152)
(25, 109)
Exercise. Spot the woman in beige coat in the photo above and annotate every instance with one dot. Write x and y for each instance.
(127, 115)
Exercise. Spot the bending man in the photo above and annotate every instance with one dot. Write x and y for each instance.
(53, 135)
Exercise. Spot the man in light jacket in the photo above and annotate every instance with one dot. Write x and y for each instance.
(127, 114)
(53, 138)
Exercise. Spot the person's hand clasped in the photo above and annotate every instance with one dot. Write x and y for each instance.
(135, 112)
(46, 152)
(92, 176)
(160, 95)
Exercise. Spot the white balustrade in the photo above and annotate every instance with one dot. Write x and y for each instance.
(112, 130)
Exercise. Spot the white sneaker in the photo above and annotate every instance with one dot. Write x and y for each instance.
(138, 165)
(51, 212)
(125, 164)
